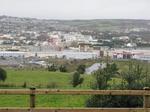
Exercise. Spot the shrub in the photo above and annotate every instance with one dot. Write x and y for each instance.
(81, 69)
(131, 80)
(63, 68)
(3, 75)
(76, 79)
(53, 67)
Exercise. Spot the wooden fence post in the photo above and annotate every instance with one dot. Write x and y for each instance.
(32, 97)
(146, 103)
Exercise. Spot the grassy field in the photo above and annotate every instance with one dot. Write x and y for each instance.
(52, 80)
(43, 101)
(43, 79)
(37, 77)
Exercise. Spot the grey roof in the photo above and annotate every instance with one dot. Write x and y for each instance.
(94, 68)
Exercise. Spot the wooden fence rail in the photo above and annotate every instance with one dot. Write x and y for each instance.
(75, 110)
(74, 92)
(33, 92)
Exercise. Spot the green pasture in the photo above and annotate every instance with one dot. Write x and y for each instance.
(41, 79)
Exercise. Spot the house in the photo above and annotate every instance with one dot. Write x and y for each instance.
(122, 55)
(130, 45)
(122, 38)
(84, 47)
(94, 68)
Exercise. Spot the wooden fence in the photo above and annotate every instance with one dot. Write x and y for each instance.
(33, 92)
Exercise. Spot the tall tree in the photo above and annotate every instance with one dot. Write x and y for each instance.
(132, 78)
(102, 77)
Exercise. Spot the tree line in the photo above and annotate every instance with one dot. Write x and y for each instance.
(134, 78)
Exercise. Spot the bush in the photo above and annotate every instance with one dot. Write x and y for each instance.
(131, 80)
(3, 75)
(53, 67)
(76, 79)
(81, 69)
(62, 68)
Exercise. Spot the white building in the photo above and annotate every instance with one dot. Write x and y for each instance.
(12, 54)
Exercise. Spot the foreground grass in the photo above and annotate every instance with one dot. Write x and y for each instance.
(43, 101)
(41, 79)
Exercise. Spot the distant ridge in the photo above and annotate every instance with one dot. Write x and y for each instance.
(78, 25)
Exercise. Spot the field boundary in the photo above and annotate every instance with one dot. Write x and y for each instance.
(75, 110)
(33, 92)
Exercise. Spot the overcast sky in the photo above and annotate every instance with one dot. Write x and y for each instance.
(77, 9)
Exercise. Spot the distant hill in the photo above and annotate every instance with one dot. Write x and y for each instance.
(108, 24)
(75, 25)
